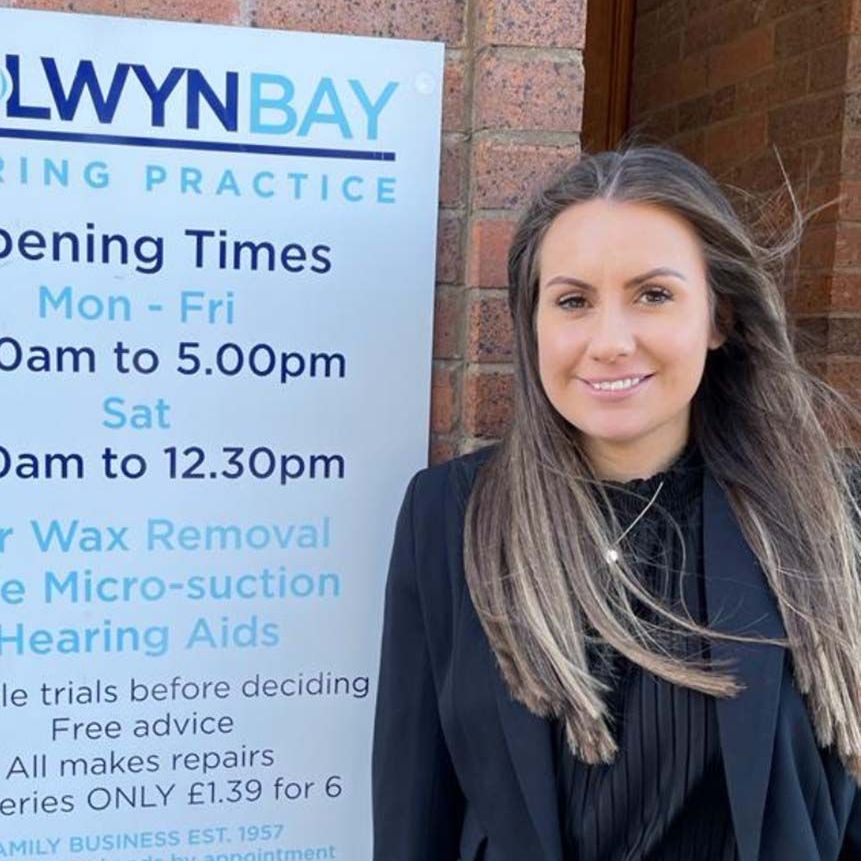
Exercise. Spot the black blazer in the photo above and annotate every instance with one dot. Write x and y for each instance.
(460, 770)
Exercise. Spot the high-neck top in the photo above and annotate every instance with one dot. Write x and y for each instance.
(664, 797)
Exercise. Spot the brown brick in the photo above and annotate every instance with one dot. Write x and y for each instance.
(846, 291)
(644, 6)
(736, 140)
(447, 323)
(539, 23)
(449, 248)
(443, 400)
(441, 21)
(810, 334)
(672, 15)
(761, 172)
(850, 205)
(489, 240)
(853, 59)
(812, 118)
(647, 31)
(455, 113)
(96, 7)
(822, 158)
(844, 335)
(729, 20)
(441, 450)
(692, 145)
(659, 125)
(781, 8)
(676, 82)
(847, 245)
(742, 57)
(507, 173)
(817, 25)
(819, 194)
(811, 293)
(853, 112)
(851, 157)
(517, 89)
(844, 373)
(487, 402)
(772, 87)
(828, 67)
(817, 247)
(698, 8)
(452, 174)
(649, 57)
(490, 337)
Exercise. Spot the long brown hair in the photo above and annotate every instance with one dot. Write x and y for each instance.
(773, 435)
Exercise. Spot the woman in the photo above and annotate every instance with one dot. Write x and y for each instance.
(632, 630)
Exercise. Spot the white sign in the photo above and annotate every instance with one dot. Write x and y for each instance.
(217, 265)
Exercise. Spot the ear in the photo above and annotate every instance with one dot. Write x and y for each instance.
(721, 325)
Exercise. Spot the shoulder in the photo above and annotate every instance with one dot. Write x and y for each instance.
(449, 483)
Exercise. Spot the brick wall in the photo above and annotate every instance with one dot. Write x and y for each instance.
(728, 80)
(512, 110)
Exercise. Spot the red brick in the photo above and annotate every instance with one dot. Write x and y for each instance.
(443, 400)
(490, 337)
(489, 240)
(447, 324)
(449, 249)
(772, 87)
(812, 118)
(817, 25)
(441, 21)
(736, 140)
(455, 113)
(810, 334)
(742, 57)
(507, 173)
(698, 8)
(516, 88)
(725, 23)
(539, 23)
(853, 60)
(452, 174)
(209, 11)
(487, 403)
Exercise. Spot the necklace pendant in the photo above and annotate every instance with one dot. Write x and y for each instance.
(612, 555)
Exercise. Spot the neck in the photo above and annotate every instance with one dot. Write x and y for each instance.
(614, 462)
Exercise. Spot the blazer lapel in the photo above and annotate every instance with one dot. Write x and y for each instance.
(739, 600)
(531, 749)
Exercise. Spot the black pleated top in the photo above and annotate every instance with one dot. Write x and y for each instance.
(664, 797)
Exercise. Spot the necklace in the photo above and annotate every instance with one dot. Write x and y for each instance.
(611, 554)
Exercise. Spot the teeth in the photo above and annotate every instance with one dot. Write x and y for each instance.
(616, 384)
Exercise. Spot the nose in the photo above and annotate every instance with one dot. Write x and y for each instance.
(612, 336)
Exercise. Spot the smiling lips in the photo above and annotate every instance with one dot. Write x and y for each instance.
(618, 384)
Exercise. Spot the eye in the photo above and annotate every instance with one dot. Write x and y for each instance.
(573, 302)
(656, 295)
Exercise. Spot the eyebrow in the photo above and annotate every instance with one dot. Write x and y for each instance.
(633, 282)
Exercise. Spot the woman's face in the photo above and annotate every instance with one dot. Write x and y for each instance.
(623, 328)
